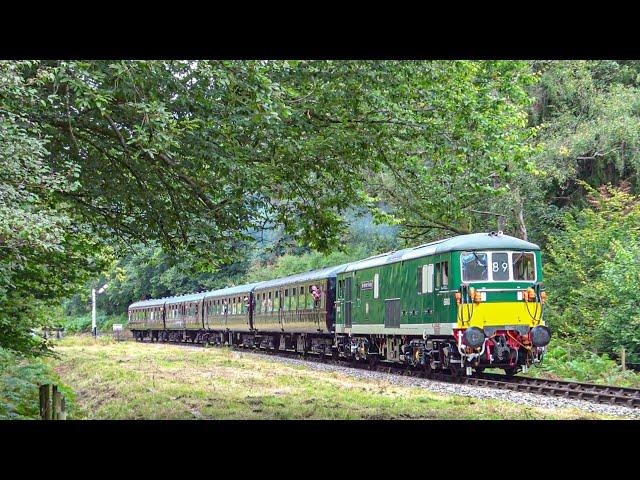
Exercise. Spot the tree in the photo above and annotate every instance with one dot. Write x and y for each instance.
(591, 272)
(587, 115)
(42, 258)
(457, 143)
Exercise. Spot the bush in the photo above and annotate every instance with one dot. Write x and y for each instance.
(20, 378)
(82, 323)
(570, 362)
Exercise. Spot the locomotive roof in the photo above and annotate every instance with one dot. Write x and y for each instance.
(246, 288)
(473, 241)
(321, 273)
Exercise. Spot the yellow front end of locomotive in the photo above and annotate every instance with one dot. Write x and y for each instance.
(496, 314)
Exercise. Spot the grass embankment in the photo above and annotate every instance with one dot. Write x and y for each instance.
(128, 380)
(563, 361)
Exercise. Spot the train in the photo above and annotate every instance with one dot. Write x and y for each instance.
(457, 305)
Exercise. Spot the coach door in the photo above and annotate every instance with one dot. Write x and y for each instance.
(347, 301)
(281, 310)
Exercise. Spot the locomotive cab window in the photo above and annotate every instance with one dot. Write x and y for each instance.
(474, 266)
(500, 266)
(524, 266)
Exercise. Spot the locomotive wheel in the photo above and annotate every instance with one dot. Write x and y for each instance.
(373, 361)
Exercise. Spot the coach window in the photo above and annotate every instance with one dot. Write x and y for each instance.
(302, 301)
(419, 280)
(474, 266)
(310, 299)
(294, 298)
(438, 275)
(524, 266)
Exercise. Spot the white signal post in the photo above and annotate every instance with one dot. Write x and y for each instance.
(94, 328)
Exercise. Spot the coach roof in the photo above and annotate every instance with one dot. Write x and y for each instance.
(154, 302)
(304, 277)
(192, 297)
(224, 292)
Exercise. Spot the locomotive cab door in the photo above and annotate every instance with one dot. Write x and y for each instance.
(443, 295)
(348, 289)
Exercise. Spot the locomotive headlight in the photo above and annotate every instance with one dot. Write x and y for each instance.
(540, 336)
(473, 337)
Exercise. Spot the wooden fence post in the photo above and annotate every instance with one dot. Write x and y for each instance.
(63, 409)
(44, 389)
(55, 403)
(624, 360)
(45, 402)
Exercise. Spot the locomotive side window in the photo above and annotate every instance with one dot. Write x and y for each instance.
(474, 266)
(500, 266)
(442, 275)
(524, 266)
(376, 285)
(445, 275)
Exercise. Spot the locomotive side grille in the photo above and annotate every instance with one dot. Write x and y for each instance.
(392, 313)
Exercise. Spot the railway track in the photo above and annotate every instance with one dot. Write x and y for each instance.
(605, 394)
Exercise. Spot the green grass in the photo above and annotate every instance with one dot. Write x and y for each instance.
(128, 380)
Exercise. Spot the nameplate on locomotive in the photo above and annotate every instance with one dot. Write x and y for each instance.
(368, 285)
